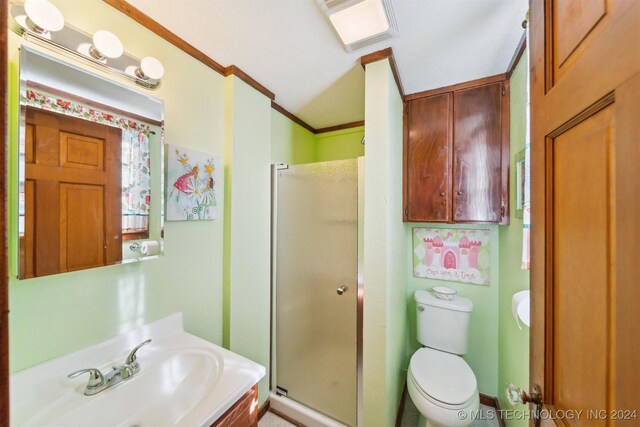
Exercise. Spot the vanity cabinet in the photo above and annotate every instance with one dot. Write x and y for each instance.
(243, 413)
(456, 154)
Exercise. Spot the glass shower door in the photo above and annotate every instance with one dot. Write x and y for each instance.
(316, 286)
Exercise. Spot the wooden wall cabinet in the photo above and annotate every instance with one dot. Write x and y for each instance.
(456, 153)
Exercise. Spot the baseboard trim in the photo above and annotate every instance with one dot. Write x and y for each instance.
(264, 409)
(401, 408)
(494, 403)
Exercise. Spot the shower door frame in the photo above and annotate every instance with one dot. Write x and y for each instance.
(360, 296)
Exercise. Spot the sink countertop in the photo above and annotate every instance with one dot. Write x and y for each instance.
(191, 382)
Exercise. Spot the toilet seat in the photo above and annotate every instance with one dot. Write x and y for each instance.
(443, 378)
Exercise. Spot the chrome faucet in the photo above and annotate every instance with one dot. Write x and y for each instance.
(99, 381)
(132, 361)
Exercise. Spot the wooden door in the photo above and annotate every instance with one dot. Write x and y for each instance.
(585, 277)
(73, 215)
(477, 154)
(427, 157)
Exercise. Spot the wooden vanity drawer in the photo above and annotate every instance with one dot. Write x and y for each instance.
(243, 413)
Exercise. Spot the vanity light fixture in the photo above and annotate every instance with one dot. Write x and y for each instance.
(41, 22)
(360, 23)
(106, 45)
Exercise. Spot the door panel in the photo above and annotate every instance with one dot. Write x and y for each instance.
(316, 335)
(46, 218)
(27, 258)
(585, 209)
(77, 151)
(581, 259)
(81, 226)
(578, 18)
(427, 153)
(29, 141)
(477, 149)
(594, 37)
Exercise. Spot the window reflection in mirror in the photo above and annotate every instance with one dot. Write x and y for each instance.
(90, 170)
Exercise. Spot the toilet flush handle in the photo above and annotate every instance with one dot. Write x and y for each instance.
(341, 290)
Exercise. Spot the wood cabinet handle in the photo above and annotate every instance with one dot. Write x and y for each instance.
(442, 194)
(460, 193)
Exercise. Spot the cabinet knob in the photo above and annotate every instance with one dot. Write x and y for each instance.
(442, 194)
(460, 193)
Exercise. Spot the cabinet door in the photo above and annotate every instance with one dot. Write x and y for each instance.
(243, 413)
(477, 154)
(427, 159)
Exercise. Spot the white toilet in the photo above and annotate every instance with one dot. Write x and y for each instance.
(441, 384)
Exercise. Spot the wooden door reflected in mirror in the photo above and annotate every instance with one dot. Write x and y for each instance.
(72, 195)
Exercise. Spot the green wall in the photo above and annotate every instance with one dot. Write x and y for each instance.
(384, 273)
(248, 240)
(514, 343)
(290, 142)
(293, 144)
(54, 315)
(340, 144)
(482, 352)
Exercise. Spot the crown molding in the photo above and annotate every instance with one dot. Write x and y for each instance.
(162, 31)
(236, 71)
(292, 117)
(310, 128)
(154, 26)
(457, 86)
(341, 127)
(522, 45)
(379, 56)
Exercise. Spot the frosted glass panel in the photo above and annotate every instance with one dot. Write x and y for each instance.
(316, 254)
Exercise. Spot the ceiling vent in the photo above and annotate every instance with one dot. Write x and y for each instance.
(361, 23)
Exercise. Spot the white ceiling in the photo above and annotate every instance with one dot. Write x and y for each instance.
(289, 47)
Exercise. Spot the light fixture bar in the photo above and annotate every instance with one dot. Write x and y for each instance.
(76, 44)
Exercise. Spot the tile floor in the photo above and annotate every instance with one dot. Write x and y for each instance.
(410, 417)
(272, 420)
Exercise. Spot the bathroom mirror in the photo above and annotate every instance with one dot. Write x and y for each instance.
(90, 170)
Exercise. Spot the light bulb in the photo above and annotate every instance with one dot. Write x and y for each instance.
(43, 16)
(106, 45)
(150, 68)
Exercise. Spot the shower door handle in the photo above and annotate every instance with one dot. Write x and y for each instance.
(341, 290)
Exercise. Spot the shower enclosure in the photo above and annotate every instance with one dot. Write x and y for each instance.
(316, 295)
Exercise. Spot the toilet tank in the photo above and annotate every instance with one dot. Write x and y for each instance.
(441, 324)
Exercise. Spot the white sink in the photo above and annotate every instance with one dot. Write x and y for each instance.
(183, 380)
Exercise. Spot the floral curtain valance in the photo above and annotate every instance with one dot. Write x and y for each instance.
(74, 109)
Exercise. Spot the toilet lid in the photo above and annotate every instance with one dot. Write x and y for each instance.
(443, 376)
